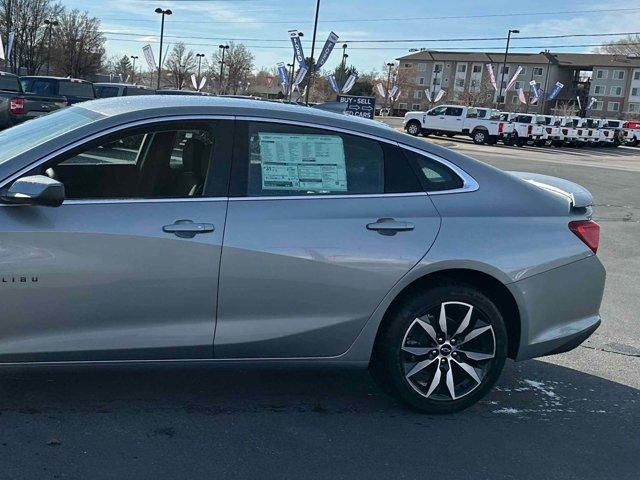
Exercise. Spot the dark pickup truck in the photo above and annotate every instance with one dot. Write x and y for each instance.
(16, 106)
(75, 90)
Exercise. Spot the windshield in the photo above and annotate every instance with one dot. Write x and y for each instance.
(76, 89)
(9, 83)
(22, 138)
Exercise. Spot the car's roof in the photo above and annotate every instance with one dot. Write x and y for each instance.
(50, 77)
(7, 74)
(113, 84)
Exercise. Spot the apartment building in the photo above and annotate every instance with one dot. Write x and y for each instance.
(613, 80)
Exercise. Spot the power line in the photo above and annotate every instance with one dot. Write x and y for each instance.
(401, 19)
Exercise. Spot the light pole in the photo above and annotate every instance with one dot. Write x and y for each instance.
(344, 64)
(293, 70)
(133, 68)
(224, 48)
(50, 24)
(163, 13)
(546, 81)
(313, 49)
(389, 65)
(504, 64)
(200, 57)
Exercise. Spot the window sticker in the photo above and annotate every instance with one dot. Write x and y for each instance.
(302, 162)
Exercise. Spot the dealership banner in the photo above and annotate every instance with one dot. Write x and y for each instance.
(393, 91)
(591, 103)
(555, 91)
(12, 37)
(427, 95)
(333, 83)
(1, 49)
(439, 96)
(521, 96)
(380, 89)
(284, 76)
(513, 79)
(148, 55)
(326, 51)
(302, 72)
(397, 97)
(348, 85)
(536, 92)
(297, 49)
(579, 102)
(492, 76)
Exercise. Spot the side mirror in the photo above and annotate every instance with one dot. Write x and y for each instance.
(35, 190)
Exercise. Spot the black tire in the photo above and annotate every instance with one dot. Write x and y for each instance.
(479, 137)
(492, 140)
(558, 143)
(414, 128)
(509, 141)
(520, 142)
(390, 361)
(450, 135)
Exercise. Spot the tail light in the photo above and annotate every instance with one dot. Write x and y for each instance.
(580, 132)
(16, 106)
(529, 129)
(500, 127)
(606, 133)
(565, 131)
(548, 130)
(590, 132)
(588, 231)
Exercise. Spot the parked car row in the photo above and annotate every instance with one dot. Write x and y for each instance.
(489, 126)
(24, 98)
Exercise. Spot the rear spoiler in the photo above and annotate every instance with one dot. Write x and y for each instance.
(576, 195)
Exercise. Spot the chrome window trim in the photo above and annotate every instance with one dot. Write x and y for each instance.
(469, 184)
(108, 131)
(328, 197)
(120, 201)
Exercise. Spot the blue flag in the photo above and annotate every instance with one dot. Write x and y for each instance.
(326, 50)
(284, 76)
(555, 90)
(332, 82)
(297, 48)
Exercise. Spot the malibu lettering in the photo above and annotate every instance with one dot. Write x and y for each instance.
(18, 279)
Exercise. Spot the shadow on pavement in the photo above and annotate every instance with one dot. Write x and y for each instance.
(541, 421)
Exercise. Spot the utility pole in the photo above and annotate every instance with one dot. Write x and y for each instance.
(163, 13)
(293, 70)
(224, 48)
(504, 65)
(313, 49)
(50, 24)
(200, 57)
(344, 65)
(545, 92)
(133, 68)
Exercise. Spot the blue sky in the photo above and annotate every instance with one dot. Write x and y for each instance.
(263, 24)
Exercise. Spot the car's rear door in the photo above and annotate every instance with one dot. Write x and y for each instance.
(321, 225)
(127, 267)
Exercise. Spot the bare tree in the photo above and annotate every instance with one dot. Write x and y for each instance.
(238, 63)
(628, 46)
(79, 46)
(181, 63)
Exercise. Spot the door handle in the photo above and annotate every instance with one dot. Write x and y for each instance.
(188, 229)
(390, 226)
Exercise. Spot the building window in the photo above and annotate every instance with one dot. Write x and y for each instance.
(600, 74)
(437, 68)
(478, 69)
(634, 107)
(421, 81)
(514, 100)
(636, 75)
(415, 106)
(618, 74)
(407, 65)
(417, 94)
(402, 106)
(599, 89)
(599, 105)
(517, 86)
(537, 71)
(460, 82)
(634, 92)
(613, 106)
(615, 91)
(523, 71)
(506, 70)
(462, 68)
(422, 67)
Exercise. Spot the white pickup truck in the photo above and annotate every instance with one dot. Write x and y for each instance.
(525, 129)
(572, 135)
(600, 133)
(551, 133)
(632, 133)
(481, 124)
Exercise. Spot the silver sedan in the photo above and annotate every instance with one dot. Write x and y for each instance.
(171, 228)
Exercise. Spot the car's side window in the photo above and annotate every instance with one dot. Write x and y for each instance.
(152, 162)
(454, 111)
(438, 111)
(289, 160)
(435, 176)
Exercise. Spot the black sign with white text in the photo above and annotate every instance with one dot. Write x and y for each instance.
(359, 106)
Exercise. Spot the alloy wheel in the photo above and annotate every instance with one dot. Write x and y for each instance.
(447, 352)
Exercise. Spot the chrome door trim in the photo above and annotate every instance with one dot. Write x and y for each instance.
(469, 184)
(101, 133)
(328, 197)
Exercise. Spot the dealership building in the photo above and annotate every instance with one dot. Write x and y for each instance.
(613, 80)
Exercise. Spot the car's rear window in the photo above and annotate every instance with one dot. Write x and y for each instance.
(138, 91)
(436, 177)
(106, 92)
(9, 83)
(76, 89)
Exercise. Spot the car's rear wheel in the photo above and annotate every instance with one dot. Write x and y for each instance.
(442, 350)
(479, 137)
(413, 128)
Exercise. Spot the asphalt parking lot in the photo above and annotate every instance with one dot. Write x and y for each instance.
(569, 416)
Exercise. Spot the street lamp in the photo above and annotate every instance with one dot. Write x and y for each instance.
(344, 64)
(389, 65)
(163, 13)
(313, 48)
(50, 24)
(200, 57)
(224, 48)
(133, 68)
(293, 70)
(504, 64)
